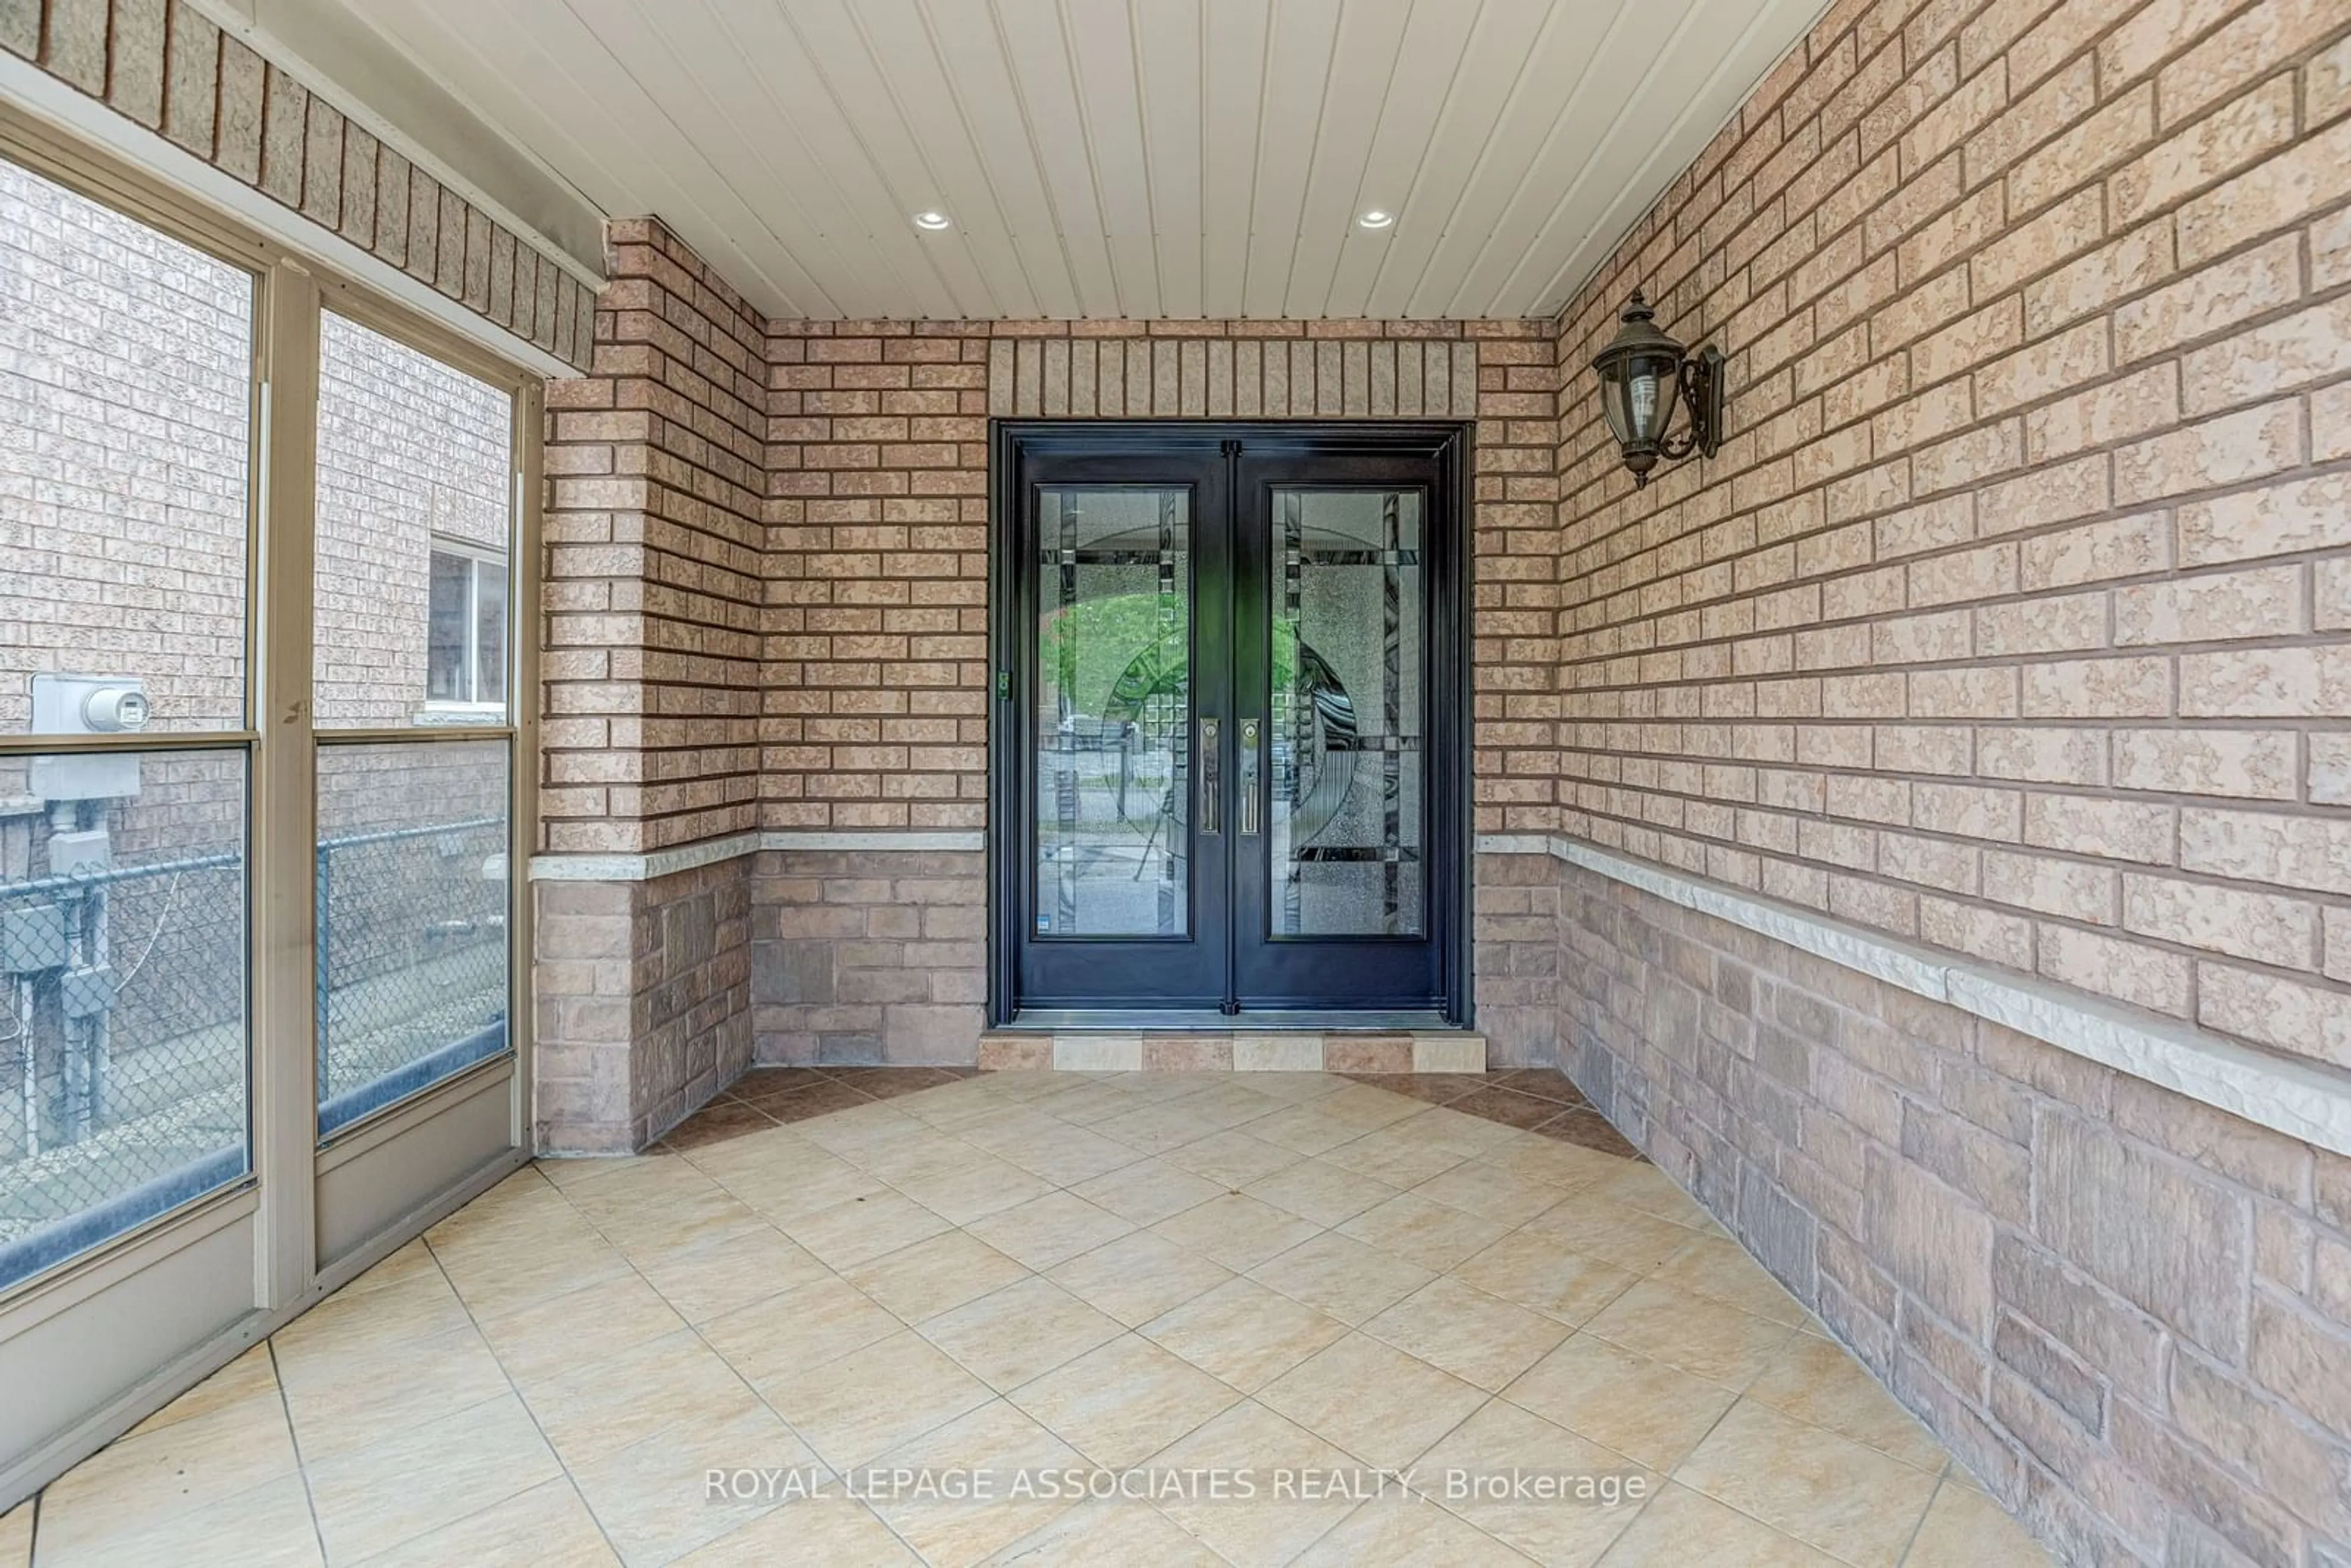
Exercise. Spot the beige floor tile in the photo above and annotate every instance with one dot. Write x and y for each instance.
(1363, 1107)
(1235, 1230)
(1644, 1409)
(1819, 1381)
(1373, 1400)
(144, 1482)
(1965, 1529)
(1304, 1129)
(1465, 1134)
(1244, 1334)
(1397, 1154)
(418, 1305)
(1065, 1156)
(16, 1536)
(602, 1406)
(1274, 1519)
(348, 1399)
(985, 1186)
(923, 1153)
(1293, 1088)
(675, 1210)
(863, 1229)
(1231, 1158)
(1350, 1280)
(547, 1525)
(1567, 1166)
(1479, 1339)
(789, 1334)
(993, 1447)
(252, 1373)
(1851, 1502)
(1719, 1269)
(1601, 1491)
(817, 1532)
(1124, 1401)
(529, 1261)
(578, 1170)
(653, 1499)
(373, 1499)
(1637, 1184)
(870, 1400)
(935, 1275)
(721, 1277)
(1543, 1276)
(1231, 1100)
(860, 1129)
(1409, 1531)
(1424, 1231)
(1137, 1277)
(590, 1324)
(1157, 1129)
(1720, 1343)
(1020, 1332)
(269, 1526)
(1476, 1187)
(1148, 1191)
(1050, 1230)
(809, 1182)
(1610, 1232)
(1128, 1534)
(1680, 1527)
(1317, 1190)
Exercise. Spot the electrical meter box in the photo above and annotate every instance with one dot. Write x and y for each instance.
(87, 704)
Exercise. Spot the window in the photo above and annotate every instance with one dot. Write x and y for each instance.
(465, 662)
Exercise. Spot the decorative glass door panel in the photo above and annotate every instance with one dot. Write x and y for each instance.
(1114, 716)
(1348, 686)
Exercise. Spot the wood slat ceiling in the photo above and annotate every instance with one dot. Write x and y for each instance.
(1115, 158)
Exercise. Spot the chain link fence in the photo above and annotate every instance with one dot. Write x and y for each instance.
(123, 1073)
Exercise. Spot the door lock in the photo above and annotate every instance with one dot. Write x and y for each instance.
(1211, 777)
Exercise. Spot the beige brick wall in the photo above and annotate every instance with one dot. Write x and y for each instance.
(869, 956)
(166, 66)
(2014, 615)
(2125, 1311)
(656, 561)
(876, 673)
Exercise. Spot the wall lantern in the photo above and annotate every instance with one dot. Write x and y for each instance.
(1643, 373)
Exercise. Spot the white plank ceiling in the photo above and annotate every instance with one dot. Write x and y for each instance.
(1115, 158)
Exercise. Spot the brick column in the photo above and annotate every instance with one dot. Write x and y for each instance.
(655, 467)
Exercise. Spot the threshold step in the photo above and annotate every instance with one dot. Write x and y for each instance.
(1101, 1049)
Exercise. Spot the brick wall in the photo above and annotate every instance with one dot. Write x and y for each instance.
(869, 956)
(656, 561)
(643, 1004)
(2127, 1313)
(877, 672)
(164, 65)
(2013, 615)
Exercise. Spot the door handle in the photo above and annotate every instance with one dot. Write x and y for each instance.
(1250, 728)
(1211, 776)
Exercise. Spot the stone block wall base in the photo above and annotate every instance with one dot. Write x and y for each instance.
(1157, 1051)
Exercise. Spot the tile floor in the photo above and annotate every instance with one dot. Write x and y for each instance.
(1252, 1298)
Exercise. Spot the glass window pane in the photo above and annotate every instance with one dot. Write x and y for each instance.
(122, 993)
(126, 411)
(1114, 713)
(412, 918)
(1348, 740)
(490, 632)
(411, 454)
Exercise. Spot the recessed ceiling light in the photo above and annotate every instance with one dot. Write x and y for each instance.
(1377, 219)
(932, 221)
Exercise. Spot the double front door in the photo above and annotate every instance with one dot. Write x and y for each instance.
(1230, 716)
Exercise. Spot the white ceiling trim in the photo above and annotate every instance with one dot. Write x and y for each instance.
(1114, 157)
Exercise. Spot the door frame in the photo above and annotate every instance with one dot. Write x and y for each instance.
(1449, 442)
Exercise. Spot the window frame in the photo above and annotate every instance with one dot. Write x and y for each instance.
(432, 710)
(278, 1197)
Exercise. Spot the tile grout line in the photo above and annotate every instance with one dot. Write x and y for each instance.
(294, 1438)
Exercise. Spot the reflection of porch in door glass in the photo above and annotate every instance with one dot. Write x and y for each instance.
(1348, 735)
(1113, 693)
